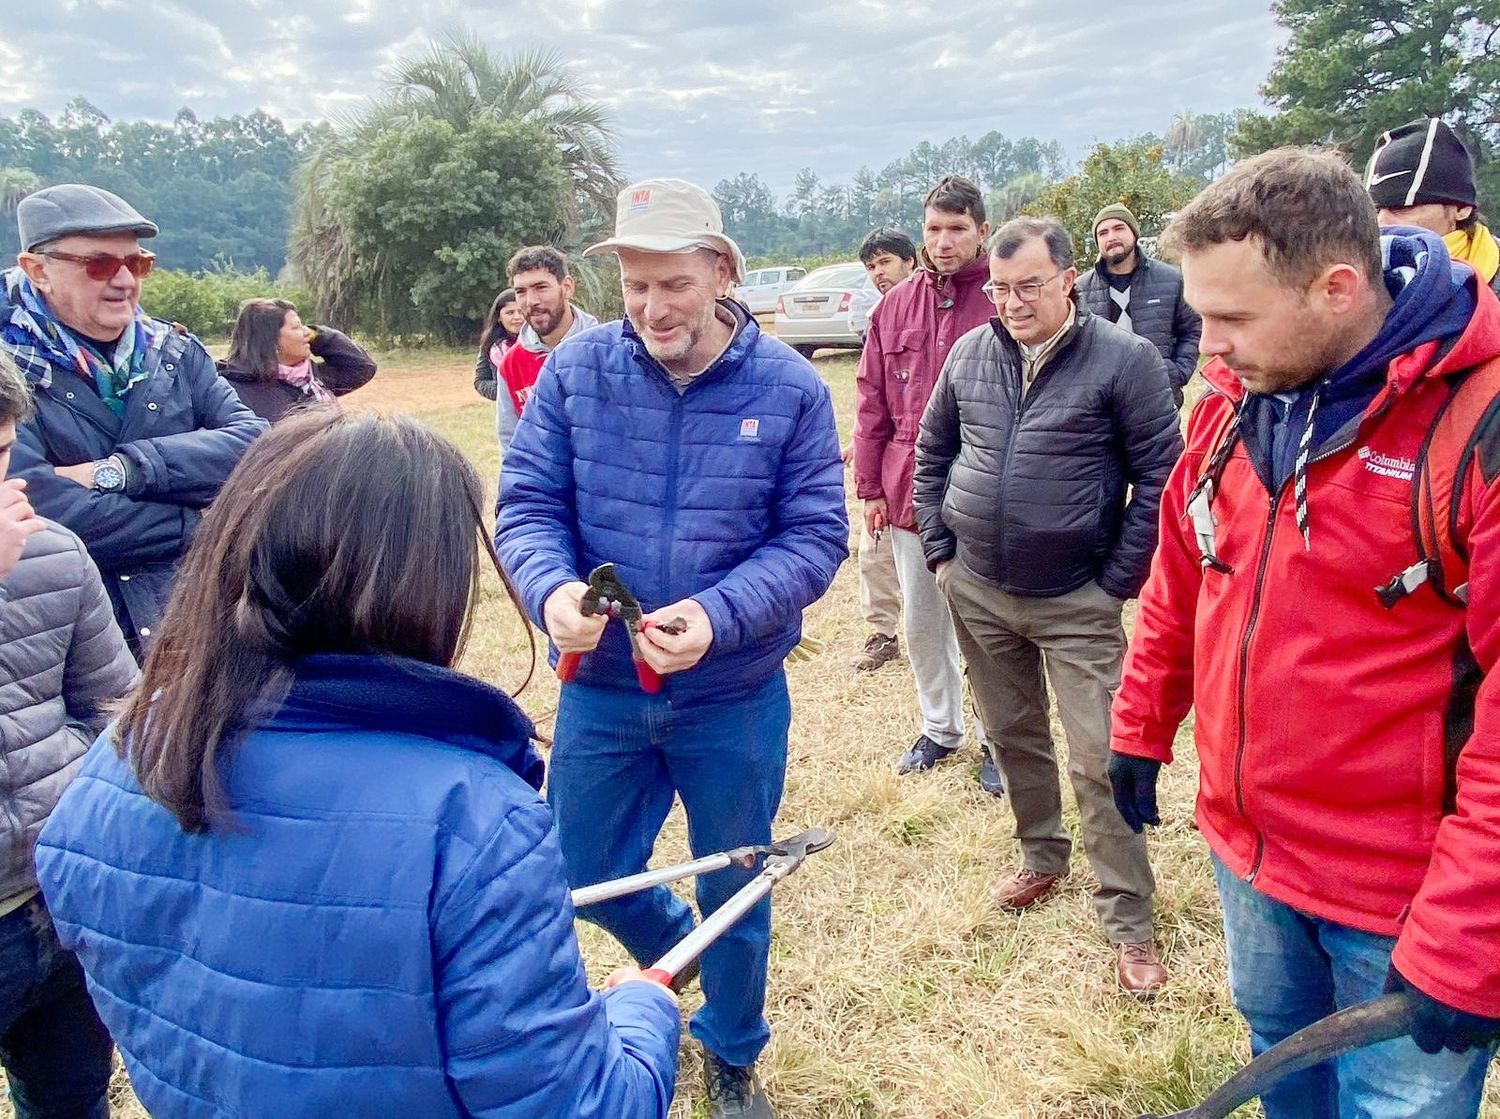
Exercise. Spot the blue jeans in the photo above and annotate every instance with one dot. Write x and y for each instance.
(55, 1050)
(618, 759)
(1287, 970)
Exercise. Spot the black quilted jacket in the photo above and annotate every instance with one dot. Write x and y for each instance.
(1158, 313)
(1032, 495)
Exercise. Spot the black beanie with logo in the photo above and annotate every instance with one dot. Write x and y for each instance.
(1419, 163)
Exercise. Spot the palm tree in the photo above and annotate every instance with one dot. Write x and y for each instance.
(459, 81)
(1184, 136)
(15, 184)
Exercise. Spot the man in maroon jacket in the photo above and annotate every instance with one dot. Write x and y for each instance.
(911, 331)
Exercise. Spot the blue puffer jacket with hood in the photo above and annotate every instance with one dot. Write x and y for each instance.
(730, 492)
(382, 928)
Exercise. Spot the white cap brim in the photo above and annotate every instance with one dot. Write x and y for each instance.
(664, 243)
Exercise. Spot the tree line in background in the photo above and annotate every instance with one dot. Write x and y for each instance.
(397, 221)
(221, 189)
(1159, 172)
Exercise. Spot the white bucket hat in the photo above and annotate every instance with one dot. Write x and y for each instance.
(670, 216)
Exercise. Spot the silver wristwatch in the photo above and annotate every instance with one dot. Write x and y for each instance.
(109, 475)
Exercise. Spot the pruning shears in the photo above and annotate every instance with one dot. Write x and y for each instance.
(607, 594)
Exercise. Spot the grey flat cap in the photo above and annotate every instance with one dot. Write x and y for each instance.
(68, 208)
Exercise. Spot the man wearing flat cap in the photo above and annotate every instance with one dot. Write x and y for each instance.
(700, 457)
(1422, 175)
(1142, 294)
(134, 431)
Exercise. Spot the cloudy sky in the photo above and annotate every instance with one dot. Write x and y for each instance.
(703, 89)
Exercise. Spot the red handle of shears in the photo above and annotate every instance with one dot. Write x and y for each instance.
(657, 975)
(648, 677)
(567, 666)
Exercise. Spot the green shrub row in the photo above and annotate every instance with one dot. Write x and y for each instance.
(207, 303)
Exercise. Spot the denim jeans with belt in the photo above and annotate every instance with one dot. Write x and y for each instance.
(55, 1050)
(1287, 969)
(618, 759)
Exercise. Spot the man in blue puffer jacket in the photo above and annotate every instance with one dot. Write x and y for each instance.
(701, 457)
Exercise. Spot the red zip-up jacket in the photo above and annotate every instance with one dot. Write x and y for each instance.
(911, 332)
(1349, 754)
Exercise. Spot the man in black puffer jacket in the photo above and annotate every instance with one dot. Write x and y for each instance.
(1040, 466)
(1143, 295)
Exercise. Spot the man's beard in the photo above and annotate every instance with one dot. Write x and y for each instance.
(549, 317)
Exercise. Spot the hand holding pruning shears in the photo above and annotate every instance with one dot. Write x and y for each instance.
(676, 637)
(671, 639)
(572, 629)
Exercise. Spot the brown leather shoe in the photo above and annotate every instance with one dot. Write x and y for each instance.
(1139, 968)
(1026, 887)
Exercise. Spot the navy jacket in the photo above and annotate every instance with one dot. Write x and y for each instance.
(383, 930)
(731, 493)
(183, 431)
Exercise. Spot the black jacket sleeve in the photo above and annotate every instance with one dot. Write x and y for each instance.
(1187, 328)
(486, 379)
(1151, 443)
(343, 364)
(937, 447)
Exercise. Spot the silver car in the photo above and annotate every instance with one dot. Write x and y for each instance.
(763, 286)
(830, 306)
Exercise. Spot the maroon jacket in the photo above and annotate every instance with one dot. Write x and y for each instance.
(911, 332)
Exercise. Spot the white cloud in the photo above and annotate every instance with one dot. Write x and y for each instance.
(699, 88)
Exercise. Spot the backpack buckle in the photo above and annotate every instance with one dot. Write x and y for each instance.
(1403, 584)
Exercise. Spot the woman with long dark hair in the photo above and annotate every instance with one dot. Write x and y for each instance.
(308, 871)
(276, 361)
(502, 326)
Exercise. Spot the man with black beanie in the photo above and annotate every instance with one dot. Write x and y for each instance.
(1422, 175)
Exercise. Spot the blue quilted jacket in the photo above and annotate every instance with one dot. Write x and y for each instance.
(731, 493)
(384, 930)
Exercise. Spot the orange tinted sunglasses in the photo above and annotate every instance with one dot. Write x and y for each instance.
(104, 267)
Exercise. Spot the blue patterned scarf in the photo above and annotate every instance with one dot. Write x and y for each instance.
(38, 342)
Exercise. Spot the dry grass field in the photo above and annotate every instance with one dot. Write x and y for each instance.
(897, 989)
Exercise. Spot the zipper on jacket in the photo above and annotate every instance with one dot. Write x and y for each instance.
(669, 513)
(1244, 683)
(1255, 602)
(1010, 448)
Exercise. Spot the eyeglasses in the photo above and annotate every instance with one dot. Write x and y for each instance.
(105, 267)
(1029, 292)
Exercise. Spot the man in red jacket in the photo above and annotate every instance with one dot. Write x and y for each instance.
(911, 331)
(1349, 742)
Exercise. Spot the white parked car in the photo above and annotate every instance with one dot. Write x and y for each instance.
(763, 286)
(830, 306)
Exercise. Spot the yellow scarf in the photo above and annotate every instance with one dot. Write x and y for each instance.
(1476, 247)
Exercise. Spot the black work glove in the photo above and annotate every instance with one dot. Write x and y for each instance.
(1134, 783)
(1436, 1025)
